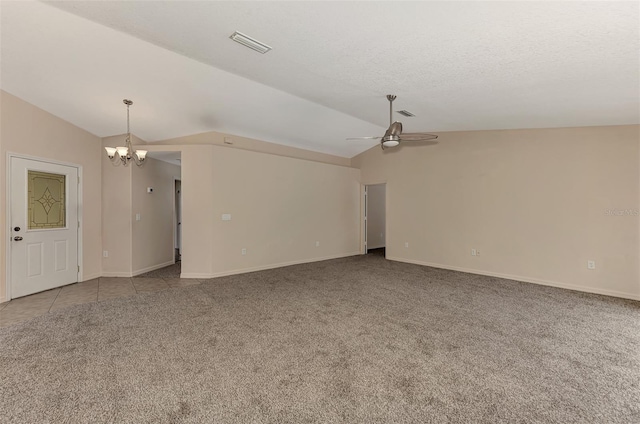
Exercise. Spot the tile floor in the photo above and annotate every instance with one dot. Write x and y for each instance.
(96, 290)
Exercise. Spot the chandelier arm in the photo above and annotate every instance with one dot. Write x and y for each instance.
(129, 154)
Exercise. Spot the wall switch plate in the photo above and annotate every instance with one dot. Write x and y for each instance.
(406, 244)
(138, 217)
(226, 217)
(105, 253)
(591, 264)
(244, 251)
(317, 244)
(474, 252)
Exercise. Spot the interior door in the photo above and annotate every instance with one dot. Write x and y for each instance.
(44, 226)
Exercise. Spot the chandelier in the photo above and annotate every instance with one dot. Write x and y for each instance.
(127, 153)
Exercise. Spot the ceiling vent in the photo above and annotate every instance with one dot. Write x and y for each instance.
(247, 41)
(406, 113)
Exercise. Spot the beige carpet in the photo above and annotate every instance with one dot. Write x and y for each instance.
(355, 340)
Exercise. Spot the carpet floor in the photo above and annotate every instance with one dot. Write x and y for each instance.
(353, 340)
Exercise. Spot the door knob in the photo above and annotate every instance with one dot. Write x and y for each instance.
(17, 238)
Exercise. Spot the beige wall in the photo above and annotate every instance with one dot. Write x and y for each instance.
(243, 143)
(533, 202)
(152, 240)
(116, 214)
(279, 208)
(376, 215)
(26, 129)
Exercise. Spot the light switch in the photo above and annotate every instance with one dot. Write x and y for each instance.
(226, 217)
(138, 217)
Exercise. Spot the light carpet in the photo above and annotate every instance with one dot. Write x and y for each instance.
(353, 340)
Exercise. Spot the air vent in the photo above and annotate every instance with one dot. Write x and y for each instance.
(406, 113)
(247, 41)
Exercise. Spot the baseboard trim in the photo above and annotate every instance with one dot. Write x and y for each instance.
(265, 267)
(136, 272)
(91, 276)
(613, 293)
(116, 274)
(152, 268)
(3, 299)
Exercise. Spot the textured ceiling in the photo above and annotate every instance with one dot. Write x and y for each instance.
(455, 65)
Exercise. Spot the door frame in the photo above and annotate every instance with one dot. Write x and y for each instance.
(175, 217)
(363, 213)
(9, 220)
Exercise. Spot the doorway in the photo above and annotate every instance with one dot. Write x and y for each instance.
(178, 220)
(375, 218)
(43, 214)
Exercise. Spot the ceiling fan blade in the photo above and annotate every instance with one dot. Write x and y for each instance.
(363, 138)
(417, 137)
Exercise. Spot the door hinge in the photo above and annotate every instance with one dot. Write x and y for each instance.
(78, 180)
(78, 224)
(78, 268)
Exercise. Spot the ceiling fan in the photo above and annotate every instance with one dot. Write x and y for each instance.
(394, 136)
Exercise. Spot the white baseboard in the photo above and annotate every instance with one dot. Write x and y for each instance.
(116, 274)
(195, 275)
(265, 267)
(136, 272)
(152, 268)
(549, 283)
(91, 276)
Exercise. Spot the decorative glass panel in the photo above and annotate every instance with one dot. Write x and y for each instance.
(47, 203)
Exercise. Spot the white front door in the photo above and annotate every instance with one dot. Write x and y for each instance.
(44, 226)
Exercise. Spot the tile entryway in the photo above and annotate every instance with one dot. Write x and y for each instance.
(96, 290)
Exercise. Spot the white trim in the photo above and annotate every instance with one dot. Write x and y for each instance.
(519, 278)
(117, 274)
(8, 220)
(80, 224)
(7, 251)
(91, 276)
(265, 267)
(136, 272)
(152, 268)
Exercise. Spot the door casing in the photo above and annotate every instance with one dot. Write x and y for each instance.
(8, 219)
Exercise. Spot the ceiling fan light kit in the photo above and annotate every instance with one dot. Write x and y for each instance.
(394, 136)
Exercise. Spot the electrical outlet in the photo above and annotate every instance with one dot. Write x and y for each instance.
(474, 252)
(591, 264)
(105, 253)
(317, 244)
(406, 244)
(244, 251)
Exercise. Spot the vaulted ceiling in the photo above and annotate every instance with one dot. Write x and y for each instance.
(455, 65)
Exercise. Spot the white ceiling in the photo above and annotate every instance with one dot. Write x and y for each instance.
(456, 65)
